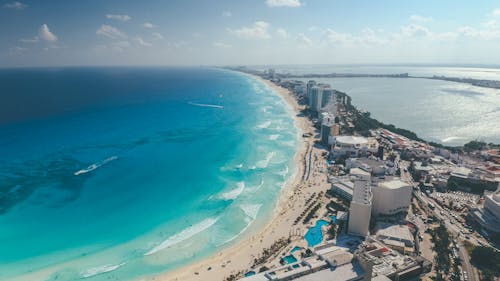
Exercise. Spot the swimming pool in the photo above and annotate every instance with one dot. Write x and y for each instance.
(289, 259)
(250, 273)
(295, 249)
(314, 236)
(334, 219)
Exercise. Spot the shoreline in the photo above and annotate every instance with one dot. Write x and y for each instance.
(239, 257)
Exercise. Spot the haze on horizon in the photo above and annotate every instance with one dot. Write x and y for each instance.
(154, 32)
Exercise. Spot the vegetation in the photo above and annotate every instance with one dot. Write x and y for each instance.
(275, 248)
(487, 260)
(441, 240)
(311, 213)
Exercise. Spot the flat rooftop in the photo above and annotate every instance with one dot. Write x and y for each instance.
(344, 272)
(396, 231)
(393, 184)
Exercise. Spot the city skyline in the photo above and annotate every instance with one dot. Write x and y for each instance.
(250, 32)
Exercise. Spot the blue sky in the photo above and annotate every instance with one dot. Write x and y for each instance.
(120, 32)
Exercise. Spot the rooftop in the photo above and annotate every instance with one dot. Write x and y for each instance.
(395, 231)
(393, 184)
(351, 140)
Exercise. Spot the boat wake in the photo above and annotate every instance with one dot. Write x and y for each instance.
(95, 166)
(184, 235)
(206, 105)
(100, 270)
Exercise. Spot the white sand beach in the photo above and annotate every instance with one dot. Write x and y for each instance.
(240, 256)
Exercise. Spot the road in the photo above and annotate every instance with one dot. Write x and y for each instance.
(454, 227)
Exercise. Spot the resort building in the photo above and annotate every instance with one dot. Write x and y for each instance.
(395, 236)
(342, 187)
(378, 260)
(488, 215)
(391, 197)
(373, 165)
(353, 146)
(329, 129)
(360, 208)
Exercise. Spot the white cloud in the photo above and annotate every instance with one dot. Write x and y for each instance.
(45, 34)
(111, 32)
(336, 37)
(485, 34)
(419, 18)
(282, 33)
(119, 17)
(142, 42)
(32, 40)
(157, 36)
(221, 45)
(496, 12)
(227, 14)
(415, 30)
(119, 45)
(302, 39)
(148, 25)
(259, 30)
(16, 5)
(283, 3)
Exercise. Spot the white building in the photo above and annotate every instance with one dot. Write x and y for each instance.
(360, 208)
(351, 146)
(391, 197)
(488, 216)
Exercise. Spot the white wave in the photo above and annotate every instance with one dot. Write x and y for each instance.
(252, 167)
(266, 108)
(206, 105)
(284, 172)
(263, 163)
(264, 124)
(280, 184)
(184, 235)
(239, 166)
(251, 210)
(95, 166)
(233, 194)
(100, 270)
(239, 233)
(274, 137)
(288, 143)
(451, 139)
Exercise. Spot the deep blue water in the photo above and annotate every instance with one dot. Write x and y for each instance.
(109, 172)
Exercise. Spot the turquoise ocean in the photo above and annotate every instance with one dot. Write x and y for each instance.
(120, 173)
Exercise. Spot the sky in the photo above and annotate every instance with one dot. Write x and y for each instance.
(248, 32)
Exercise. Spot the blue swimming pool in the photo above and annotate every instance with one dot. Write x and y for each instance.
(334, 219)
(250, 273)
(314, 236)
(295, 249)
(289, 259)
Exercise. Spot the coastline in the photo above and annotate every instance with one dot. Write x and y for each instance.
(239, 257)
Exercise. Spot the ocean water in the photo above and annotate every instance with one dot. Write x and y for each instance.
(441, 111)
(445, 112)
(120, 173)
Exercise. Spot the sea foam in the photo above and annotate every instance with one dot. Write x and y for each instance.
(264, 125)
(251, 210)
(263, 163)
(100, 270)
(184, 235)
(233, 194)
